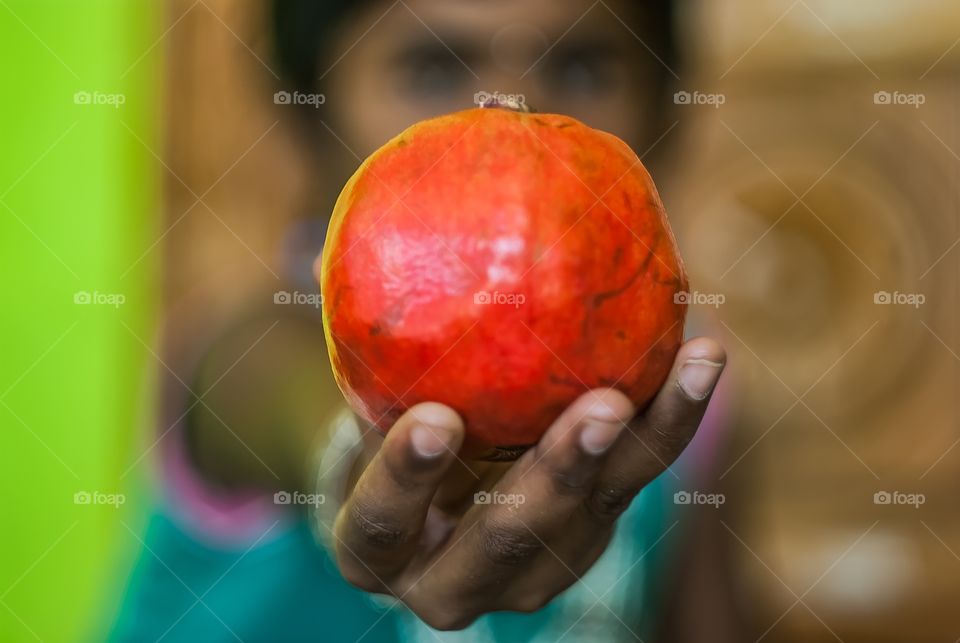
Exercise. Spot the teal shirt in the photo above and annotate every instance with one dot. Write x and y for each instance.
(288, 589)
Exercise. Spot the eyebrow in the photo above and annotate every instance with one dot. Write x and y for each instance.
(469, 49)
(593, 44)
(429, 47)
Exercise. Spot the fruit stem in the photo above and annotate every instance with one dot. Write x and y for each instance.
(509, 103)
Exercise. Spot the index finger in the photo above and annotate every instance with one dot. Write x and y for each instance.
(379, 525)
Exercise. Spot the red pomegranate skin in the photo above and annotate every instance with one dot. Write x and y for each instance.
(501, 263)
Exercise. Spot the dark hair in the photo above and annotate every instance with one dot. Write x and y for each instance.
(302, 31)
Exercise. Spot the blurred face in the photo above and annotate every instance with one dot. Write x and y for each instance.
(404, 65)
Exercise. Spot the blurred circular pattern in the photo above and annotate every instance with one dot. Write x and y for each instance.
(806, 231)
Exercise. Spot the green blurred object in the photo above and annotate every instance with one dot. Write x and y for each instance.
(79, 204)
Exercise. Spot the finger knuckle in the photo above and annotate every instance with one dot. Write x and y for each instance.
(666, 443)
(567, 482)
(374, 528)
(446, 618)
(507, 545)
(360, 579)
(403, 473)
(532, 602)
(607, 503)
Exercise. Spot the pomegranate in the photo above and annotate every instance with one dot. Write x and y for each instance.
(501, 263)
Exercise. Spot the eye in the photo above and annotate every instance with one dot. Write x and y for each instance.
(584, 70)
(431, 72)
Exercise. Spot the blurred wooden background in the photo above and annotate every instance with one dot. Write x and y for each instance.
(801, 199)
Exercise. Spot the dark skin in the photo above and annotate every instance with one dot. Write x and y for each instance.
(408, 526)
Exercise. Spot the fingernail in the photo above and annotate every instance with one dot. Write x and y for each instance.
(597, 437)
(429, 442)
(697, 377)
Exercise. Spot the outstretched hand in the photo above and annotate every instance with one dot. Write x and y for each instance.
(410, 527)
